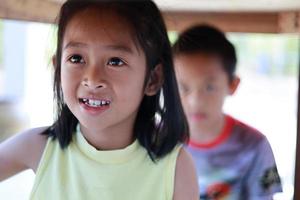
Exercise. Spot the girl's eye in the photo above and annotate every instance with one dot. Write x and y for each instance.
(115, 62)
(76, 59)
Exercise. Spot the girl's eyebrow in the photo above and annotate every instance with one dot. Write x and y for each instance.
(74, 44)
(120, 47)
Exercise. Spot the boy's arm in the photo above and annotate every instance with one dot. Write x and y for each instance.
(186, 186)
(21, 152)
(263, 180)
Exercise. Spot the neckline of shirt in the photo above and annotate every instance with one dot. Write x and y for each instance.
(106, 156)
(225, 133)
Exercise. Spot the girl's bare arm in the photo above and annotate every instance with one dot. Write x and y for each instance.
(186, 186)
(22, 151)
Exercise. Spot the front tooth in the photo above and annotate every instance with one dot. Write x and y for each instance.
(94, 102)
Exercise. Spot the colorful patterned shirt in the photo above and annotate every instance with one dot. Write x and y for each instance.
(238, 165)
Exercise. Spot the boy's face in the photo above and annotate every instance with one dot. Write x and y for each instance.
(203, 86)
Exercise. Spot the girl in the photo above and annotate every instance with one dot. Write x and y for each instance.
(114, 137)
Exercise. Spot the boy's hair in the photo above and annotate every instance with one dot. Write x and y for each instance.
(159, 137)
(209, 40)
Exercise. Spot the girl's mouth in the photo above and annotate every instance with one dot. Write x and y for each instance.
(95, 103)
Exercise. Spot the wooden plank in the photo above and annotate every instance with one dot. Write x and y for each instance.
(252, 22)
(29, 10)
(289, 22)
(228, 22)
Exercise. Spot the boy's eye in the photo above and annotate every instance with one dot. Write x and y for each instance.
(183, 88)
(76, 59)
(115, 62)
(210, 88)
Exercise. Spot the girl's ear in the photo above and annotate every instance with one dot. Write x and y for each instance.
(234, 85)
(155, 80)
(54, 60)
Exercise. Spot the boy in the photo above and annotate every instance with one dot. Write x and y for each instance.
(233, 160)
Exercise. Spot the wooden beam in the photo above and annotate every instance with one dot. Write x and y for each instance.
(29, 10)
(228, 22)
(257, 22)
(252, 22)
(289, 22)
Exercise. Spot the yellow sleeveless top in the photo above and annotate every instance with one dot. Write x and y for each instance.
(80, 172)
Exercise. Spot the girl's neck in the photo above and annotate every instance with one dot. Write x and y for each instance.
(107, 139)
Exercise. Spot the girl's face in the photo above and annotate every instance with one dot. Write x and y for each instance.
(102, 71)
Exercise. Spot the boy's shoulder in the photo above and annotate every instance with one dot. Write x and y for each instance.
(246, 133)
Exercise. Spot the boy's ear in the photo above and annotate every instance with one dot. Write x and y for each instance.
(54, 60)
(234, 85)
(155, 80)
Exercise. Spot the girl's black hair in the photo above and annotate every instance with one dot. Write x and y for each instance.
(205, 38)
(160, 124)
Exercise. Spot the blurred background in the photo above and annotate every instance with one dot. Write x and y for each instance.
(266, 37)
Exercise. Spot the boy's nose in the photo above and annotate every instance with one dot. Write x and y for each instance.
(196, 100)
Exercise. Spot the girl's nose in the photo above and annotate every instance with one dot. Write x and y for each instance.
(94, 79)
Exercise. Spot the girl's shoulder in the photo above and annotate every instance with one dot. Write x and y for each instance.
(26, 148)
(36, 142)
(186, 186)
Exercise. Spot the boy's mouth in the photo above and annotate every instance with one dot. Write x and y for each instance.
(198, 116)
(94, 102)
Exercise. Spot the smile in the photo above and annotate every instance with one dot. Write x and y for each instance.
(94, 103)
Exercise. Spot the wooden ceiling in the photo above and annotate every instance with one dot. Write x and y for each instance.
(263, 16)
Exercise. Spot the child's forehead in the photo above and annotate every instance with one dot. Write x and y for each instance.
(93, 25)
(199, 62)
(92, 19)
(198, 66)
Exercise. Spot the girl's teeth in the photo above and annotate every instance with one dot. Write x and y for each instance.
(95, 103)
